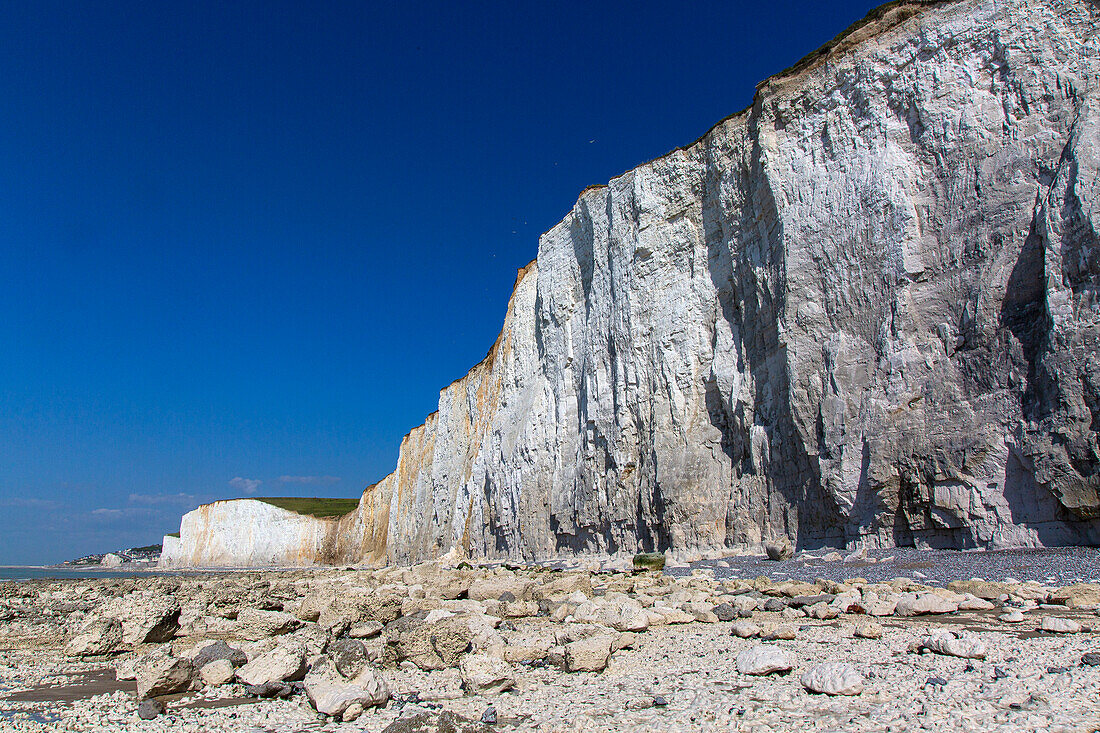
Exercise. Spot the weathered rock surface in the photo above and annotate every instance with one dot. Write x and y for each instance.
(332, 694)
(98, 636)
(862, 310)
(833, 678)
(161, 674)
(761, 660)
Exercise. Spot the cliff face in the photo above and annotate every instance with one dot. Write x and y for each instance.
(863, 310)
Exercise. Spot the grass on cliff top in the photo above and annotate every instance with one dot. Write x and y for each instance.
(313, 506)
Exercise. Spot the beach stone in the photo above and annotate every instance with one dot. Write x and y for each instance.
(952, 644)
(725, 612)
(352, 712)
(218, 672)
(588, 655)
(483, 589)
(267, 690)
(150, 709)
(917, 604)
(485, 675)
(784, 632)
(1079, 595)
(821, 611)
(331, 694)
(764, 659)
(489, 716)
(649, 561)
(745, 629)
(126, 669)
(99, 636)
(1012, 617)
(349, 656)
(254, 624)
(971, 602)
(147, 618)
(869, 630)
(779, 548)
(160, 674)
(283, 663)
(219, 650)
(834, 678)
(1057, 625)
(775, 605)
(801, 601)
(365, 629)
(1090, 659)
(986, 590)
(437, 645)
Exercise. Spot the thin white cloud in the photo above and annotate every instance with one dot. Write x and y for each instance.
(245, 485)
(313, 480)
(105, 513)
(30, 503)
(154, 499)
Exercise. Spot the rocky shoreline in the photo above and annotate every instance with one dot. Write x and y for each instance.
(599, 647)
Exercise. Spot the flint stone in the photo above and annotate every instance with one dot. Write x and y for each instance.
(150, 709)
(219, 650)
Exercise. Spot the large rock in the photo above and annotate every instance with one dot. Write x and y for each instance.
(764, 659)
(779, 549)
(588, 655)
(217, 672)
(161, 674)
(918, 604)
(283, 663)
(255, 624)
(98, 636)
(219, 650)
(332, 694)
(835, 678)
(435, 645)
(485, 675)
(859, 312)
(1079, 595)
(952, 644)
(146, 617)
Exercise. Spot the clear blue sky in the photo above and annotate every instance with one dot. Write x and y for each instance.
(252, 240)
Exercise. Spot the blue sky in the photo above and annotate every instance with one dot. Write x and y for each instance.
(245, 244)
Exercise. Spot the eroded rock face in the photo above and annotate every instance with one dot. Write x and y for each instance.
(863, 310)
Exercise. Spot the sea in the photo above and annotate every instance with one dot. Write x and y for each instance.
(17, 572)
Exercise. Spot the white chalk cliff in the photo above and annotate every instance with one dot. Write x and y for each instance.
(863, 310)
